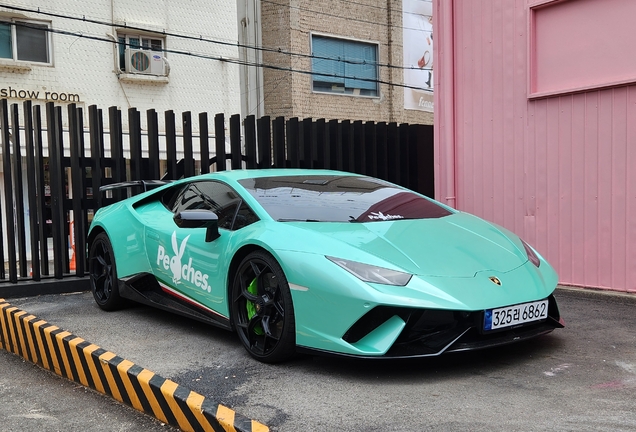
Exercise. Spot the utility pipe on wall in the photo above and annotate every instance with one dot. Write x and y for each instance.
(444, 96)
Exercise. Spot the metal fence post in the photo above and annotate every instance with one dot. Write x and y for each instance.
(8, 193)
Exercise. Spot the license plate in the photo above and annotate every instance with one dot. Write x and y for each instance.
(513, 315)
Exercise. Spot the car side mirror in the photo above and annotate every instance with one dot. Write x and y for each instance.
(199, 219)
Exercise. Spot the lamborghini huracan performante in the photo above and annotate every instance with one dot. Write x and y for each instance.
(321, 261)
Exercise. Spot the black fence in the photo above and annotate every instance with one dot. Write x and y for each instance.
(54, 206)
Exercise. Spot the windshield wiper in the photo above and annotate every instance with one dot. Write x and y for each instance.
(297, 220)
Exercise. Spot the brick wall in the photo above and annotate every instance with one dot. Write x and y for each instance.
(287, 25)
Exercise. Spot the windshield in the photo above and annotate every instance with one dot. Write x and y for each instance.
(338, 199)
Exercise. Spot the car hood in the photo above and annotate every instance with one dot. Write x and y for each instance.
(459, 245)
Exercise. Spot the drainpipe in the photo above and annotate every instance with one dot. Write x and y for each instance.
(391, 93)
(444, 124)
(251, 78)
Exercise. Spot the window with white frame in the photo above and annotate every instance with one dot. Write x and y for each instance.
(344, 66)
(130, 43)
(25, 41)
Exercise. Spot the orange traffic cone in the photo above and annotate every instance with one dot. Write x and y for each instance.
(72, 233)
(72, 263)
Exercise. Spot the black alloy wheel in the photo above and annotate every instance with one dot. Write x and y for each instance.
(103, 274)
(262, 310)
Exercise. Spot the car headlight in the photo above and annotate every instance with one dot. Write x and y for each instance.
(534, 259)
(369, 273)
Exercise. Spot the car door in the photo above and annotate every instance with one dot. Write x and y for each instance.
(182, 260)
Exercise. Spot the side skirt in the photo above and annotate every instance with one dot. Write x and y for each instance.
(145, 289)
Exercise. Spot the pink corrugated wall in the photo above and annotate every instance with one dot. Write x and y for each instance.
(559, 171)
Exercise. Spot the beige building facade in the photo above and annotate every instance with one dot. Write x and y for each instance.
(296, 34)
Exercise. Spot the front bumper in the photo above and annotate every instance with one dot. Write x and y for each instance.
(415, 333)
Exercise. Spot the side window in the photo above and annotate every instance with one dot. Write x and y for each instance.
(219, 198)
(189, 199)
(170, 196)
(244, 217)
(25, 41)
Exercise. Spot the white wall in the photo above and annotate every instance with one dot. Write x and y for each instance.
(87, 67)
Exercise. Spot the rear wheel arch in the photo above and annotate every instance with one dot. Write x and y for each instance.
(97, 230)
(102, 270)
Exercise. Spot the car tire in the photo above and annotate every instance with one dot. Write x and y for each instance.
(103, 274)
(262, 310)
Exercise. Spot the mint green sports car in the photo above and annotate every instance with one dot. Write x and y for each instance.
(322, 262)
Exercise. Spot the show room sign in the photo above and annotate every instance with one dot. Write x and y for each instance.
(48, 96)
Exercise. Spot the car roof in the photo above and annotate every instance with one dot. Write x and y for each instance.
(241, 174)
(233, 177)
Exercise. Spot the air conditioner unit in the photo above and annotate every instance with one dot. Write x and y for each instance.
(147, 62)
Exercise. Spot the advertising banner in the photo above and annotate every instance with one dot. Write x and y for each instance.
(417, 19)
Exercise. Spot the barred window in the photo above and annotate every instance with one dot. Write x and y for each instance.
(344, 66)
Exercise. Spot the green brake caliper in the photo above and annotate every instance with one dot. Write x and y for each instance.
(251, 308)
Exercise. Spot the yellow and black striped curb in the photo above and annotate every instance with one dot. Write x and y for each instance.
(72, 357)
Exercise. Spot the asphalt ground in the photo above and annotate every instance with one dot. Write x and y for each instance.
(33, 399)
(581, 378)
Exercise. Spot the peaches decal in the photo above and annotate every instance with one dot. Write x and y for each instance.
(179, 270)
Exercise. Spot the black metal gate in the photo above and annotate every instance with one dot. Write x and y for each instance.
(53, 207)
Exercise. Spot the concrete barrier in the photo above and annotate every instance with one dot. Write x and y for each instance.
(80, 361)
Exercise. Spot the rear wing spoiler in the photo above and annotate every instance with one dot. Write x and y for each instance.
(146, 184)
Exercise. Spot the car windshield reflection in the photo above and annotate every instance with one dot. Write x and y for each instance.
(338, 199)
